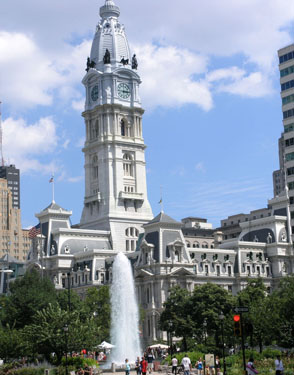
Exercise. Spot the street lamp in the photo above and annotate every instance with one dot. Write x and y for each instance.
(65, 328)
(170, 326)
(68, 291)
(222, 317)
(205, 330)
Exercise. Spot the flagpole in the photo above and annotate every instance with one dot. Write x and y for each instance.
(161, 200)
(53, 187)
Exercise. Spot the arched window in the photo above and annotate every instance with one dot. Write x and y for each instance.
(188, 244)
(96, 129)
(95, 167)
(195, 244)
(122, 128)
(204, 245)
(132, 235)
(128, 165)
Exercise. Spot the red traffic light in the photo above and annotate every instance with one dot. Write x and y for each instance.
(236, 318)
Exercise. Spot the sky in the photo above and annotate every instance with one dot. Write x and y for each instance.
(210, 90)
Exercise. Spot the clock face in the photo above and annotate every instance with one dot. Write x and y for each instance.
(123, 90)
(94, 93)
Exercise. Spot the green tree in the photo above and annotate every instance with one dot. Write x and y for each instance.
(48, 334)
(11, 344)
(175, 317)
(282, 305)
(207, 302)
(28, 295)
(75, 300)
(258, 321)
(97, 304)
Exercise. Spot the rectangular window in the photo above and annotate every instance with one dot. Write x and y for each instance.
(288, 56)
(288, 99)
(287, 85)
(289, 142)
(290, 156)
(287, 114)
(291, 200)
(292, 214)
(287, 71)
(290, 171)
(289, 128)
(291, 185)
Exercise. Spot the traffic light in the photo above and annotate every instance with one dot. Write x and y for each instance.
(237, 325)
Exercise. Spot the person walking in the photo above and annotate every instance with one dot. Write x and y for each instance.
(150, 358)
(186, 363)
(144, 366)
(174, 365)
(279, 366)
(250, 368)
(138, 366)
(199, 366)
(127, 367)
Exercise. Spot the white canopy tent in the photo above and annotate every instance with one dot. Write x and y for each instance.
(105, 345)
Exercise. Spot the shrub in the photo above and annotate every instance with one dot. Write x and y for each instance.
(78, 362)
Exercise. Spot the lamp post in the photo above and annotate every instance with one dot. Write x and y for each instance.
(222, 317)
(170, 326)
(205, 330)
(68, 291)
(65, 328)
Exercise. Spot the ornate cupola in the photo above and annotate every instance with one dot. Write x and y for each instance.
(110, 35)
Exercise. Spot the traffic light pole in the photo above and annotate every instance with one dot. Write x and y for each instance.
(243, 346)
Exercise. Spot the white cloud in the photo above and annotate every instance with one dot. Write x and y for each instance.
(253, 85)
(34, 76)
(168, 75)
(78, 105)
(236, 81)
(44, 66)
(24, 144)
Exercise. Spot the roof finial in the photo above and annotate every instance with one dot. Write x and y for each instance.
(109, 9)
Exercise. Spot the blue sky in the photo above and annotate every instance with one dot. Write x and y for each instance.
(210, 90)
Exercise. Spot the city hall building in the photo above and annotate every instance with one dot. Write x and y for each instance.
(117, 216)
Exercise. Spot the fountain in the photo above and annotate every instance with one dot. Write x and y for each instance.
(124, 313)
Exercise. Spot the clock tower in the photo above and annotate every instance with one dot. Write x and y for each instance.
(115, 172)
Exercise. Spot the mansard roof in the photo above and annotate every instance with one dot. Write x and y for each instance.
(163, 218)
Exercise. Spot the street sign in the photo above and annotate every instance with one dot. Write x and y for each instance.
(241, 309)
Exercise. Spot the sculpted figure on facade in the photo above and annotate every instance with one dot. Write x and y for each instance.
(106, 58)
(269, 238)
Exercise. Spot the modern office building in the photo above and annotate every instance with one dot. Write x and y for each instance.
(11, 174)
(286, 142)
